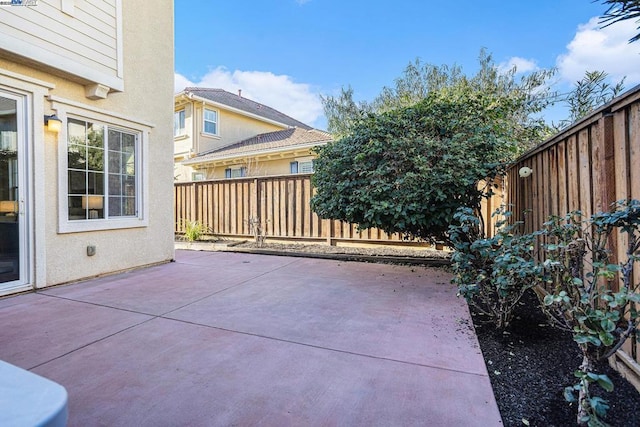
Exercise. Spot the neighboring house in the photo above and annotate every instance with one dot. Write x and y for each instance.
(217, 131)
(86, 192)
(281, 152)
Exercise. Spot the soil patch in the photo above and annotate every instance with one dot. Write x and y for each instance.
(531, 363)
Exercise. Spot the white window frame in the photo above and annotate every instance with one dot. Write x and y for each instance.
(179, 116)
(301, 163)
(204, 121)
(70, 109)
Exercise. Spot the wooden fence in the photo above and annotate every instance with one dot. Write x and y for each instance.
(281, 203)
(587, 167)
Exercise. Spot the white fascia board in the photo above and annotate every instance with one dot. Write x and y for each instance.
(236, 110)
(54, 60)
(255, 153)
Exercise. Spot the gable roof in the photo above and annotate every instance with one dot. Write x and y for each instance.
(235, 101)
(266, 142)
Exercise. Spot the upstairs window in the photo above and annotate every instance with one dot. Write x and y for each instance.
(178, 123)
(210, 122)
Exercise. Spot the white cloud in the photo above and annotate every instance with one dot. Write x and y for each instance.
(606, 49)
(522, 65)
(297, 100)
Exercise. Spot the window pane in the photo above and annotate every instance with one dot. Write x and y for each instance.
(128, 163)
(76, 132)
(115, 184)
(95, 137)
(114, 140)
(75, 208)
(129, 186)
(129, 206)
(128, 143)
(77, 156)
(115, 162)
(95, 183)
(210, 127)
(115, 206)
(77, 182)
(211, 115)
(95, 158)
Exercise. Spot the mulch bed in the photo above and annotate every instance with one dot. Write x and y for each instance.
(531, 363)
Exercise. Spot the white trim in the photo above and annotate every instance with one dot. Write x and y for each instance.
(142, 176)
(235, 110)
(105, 115)
(254, 153)
(119, 42)
(34, 91)
(27, 79)
(53, 59)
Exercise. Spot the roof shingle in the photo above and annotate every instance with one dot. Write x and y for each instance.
(281, 139)
(238, 102)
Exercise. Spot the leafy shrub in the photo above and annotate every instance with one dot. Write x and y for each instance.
(582, 300)
(493, 273)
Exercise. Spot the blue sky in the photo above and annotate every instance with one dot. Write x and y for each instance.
(285, 53)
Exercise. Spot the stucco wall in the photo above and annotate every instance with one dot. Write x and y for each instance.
(147, 97)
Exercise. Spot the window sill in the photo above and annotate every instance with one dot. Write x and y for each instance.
(180, 137)
(210, 135)
(84, 225)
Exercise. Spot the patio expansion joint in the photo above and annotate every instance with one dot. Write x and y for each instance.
(335, 350)
(225, 289)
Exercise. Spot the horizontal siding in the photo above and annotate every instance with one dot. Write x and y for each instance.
(87, 38)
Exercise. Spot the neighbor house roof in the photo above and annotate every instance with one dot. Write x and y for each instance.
(238, 102)
(265, 143)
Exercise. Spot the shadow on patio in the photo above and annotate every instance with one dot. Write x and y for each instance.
(236, 339)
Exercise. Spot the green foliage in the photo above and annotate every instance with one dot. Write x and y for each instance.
(493, 273)
(588, 94)
(526, 96)
(621, 10)
(582, 300)
(194, 230)
(408, 170)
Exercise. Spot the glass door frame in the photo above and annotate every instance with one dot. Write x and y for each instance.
(22, 194)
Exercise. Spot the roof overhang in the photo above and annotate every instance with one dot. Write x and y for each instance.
(184, 97)
(270, 154)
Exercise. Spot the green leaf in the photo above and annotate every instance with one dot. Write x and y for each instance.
(568, 394)
(605, 383)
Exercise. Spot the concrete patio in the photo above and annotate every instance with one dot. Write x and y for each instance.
(221, 339)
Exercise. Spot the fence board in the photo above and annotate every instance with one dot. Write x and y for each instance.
(586, 167)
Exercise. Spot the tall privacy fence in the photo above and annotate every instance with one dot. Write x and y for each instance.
(280, 203)
(587, 167)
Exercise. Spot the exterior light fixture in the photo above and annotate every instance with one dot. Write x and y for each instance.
(525, 171)
(53, 123)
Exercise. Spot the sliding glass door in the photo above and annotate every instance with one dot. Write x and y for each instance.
(12, 218)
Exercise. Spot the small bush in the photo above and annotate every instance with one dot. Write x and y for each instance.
(493, 273)
(194, 230)
(582, 300)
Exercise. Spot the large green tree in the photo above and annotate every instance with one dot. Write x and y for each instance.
(528, 95)
(407, 170)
